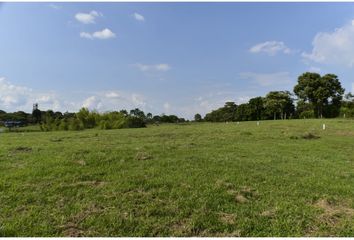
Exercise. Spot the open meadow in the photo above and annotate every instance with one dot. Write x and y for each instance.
(281, 178)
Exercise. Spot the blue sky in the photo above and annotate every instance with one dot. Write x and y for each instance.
(172, 58)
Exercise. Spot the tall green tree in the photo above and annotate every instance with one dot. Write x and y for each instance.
(323, 92)
(256, 106)
(227, 113)
(197, 117)
(279, 103)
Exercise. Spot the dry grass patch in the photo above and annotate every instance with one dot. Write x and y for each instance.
(72, 227)
(227, 218)
(310, 136)
(21, 150)
(94, 183)
(244, 195)
(181, 228)
(268, 213)
(333, 215)
(206, 233)
(143, 156)
(240, 198)
(330, 209)
(81, 162)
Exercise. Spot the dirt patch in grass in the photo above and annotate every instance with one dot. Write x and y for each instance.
(72, 227)
(236, 233)
(21, 150)
(239, 198)
(71, 230)
(141, 156)
(244, 195)
(310, 136)
(227, 218)
(181, 228)
(222, 184)
(249, 192)
(333, 214)
(206, 233)
(94, 183)
(268, 213)
(334, 209)
(81, 162)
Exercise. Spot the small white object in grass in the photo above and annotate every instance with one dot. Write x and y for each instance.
(324, 126)
(344, 115)
(238, 123)
(257, 123)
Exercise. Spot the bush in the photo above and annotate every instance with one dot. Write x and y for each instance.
(63, 126)
(307, 114)
(135, 122)
(349, 112)
(85, 119)
(75, 124)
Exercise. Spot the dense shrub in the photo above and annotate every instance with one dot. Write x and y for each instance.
(135, 122)
(74, 124)
(349, 112)
(85, 119)
(307, 114)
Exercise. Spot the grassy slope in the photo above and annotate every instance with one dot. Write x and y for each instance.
(181, 180)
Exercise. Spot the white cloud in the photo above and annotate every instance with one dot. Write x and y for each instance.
(86, 35)
(335, 47)
(12, 95)
(315, 69)
(114, 100)
(112, 95)
(92, 103)
(162, 67)
(211, 101)
(139, 17)
(104, 34)
(268, 79)
(271, 48)
(20, 98)
(54, 6)
(87, 18)
(138, 100)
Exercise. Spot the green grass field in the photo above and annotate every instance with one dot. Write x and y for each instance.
(204, 179)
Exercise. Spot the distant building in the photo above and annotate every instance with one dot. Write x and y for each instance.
(11, 124)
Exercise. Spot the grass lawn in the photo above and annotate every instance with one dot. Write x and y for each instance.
(203, 179)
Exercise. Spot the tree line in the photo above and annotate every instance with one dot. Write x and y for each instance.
(85, 119)
(315, 96)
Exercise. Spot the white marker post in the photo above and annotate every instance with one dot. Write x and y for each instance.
(257, 123)
(324, 126)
